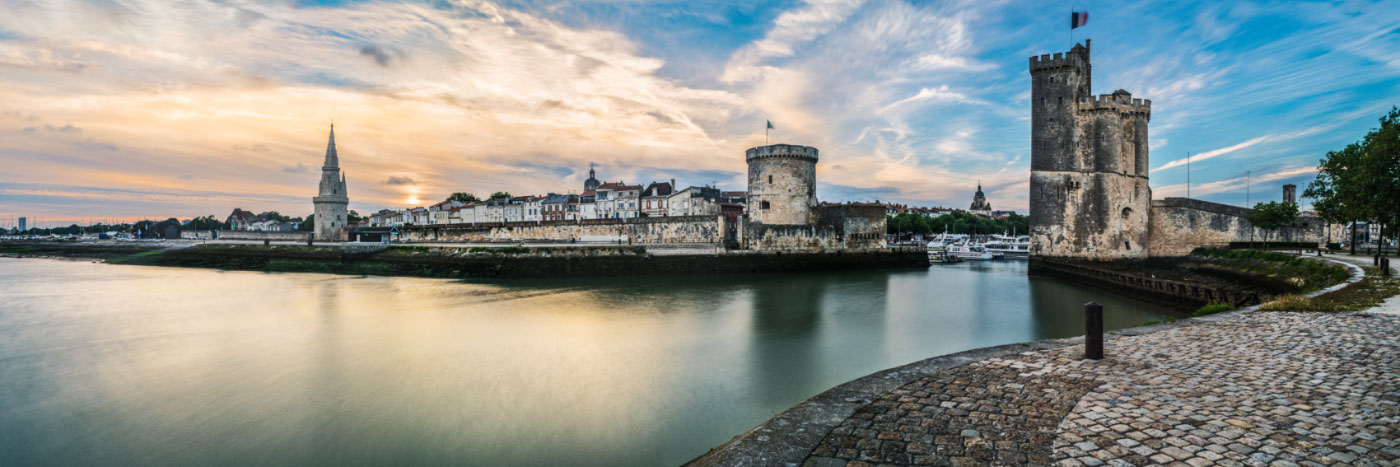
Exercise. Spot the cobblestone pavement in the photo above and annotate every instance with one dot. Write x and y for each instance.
(1251, 388)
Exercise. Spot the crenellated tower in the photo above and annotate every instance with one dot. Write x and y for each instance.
(333, 200)
(1089, 196)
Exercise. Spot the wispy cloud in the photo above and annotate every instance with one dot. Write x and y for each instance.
(1235, 184)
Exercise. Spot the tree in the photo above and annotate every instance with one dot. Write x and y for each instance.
(309, 225)
(353, 217)
(466, 197)
(1273, 215)
(500, 194)
(205, 223)
(1361, 181)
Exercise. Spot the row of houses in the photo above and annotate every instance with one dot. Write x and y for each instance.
(610, 200)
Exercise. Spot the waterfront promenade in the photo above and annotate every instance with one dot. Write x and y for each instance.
(1242, 388)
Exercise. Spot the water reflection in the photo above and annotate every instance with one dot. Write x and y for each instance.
(138, 365)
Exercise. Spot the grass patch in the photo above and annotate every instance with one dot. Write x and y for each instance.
(1297, 273)
(1364, 294)
(1212, 309)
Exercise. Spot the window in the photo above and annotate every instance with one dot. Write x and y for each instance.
(770, 182)
(763, 205)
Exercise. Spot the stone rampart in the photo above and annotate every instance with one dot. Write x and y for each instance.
(1180, 225)
(642, 230)
(293, 236)
(837, 227)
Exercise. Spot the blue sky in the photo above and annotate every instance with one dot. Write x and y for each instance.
(154, 109)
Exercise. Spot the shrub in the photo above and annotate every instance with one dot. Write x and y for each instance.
(1212, 308)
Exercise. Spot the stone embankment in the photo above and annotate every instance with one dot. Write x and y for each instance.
(1240, 388)
(482, 262)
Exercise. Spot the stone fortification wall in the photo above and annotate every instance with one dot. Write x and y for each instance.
(642, 230)
(197, 234)
(1180, 225)
(782, 184)
(258, 235)
(836, 227)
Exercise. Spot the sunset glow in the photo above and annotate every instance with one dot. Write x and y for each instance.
(148, 108)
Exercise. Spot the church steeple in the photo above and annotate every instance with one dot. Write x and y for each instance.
(332, 160)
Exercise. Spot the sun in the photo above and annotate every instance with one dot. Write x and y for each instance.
(412, 200)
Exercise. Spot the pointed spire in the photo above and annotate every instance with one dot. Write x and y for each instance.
(332, 160)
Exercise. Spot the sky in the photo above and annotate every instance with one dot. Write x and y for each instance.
(118, 110)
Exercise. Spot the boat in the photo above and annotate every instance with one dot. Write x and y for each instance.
(970, 251)
(938, 253)
(1010, 247)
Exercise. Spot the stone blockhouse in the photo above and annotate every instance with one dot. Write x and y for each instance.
(782, 184)
(1089, 193)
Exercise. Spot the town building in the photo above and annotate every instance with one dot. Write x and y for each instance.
(655, 197)
(333, 200)
(23, 224)
(617, 200)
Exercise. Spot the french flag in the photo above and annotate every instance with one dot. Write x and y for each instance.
(1078, 18)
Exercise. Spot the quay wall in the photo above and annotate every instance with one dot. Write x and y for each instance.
(589, 261)
(642, 230)
(1180, 225)
(1186, 295)
(293, 236)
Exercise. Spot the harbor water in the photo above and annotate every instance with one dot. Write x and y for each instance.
(126, 365)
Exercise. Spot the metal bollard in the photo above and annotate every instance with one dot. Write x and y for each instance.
(267, 242)
(1093, 331)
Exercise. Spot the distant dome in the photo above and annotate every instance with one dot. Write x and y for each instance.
(592, 182)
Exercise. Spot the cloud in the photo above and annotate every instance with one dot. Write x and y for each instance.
(1231, 184)
(399, 180)
(69, 128)
(380, 55)
(299, 168)
(252, 148)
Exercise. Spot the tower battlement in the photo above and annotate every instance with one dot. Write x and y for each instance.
(1055, 61)
(781, 150)
(1120, 102)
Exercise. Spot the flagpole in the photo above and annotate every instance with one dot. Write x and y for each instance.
(1188, 174)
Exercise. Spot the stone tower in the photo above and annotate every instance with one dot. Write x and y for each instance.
(1290, 193)
(1089, 197)
(333, 200)
(782, 184)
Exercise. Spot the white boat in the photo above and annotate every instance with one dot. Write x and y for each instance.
(970, 251)
(1010, 247)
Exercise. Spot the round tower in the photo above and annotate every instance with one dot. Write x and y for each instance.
(782, 184)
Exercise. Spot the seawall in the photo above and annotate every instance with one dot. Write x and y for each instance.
(508, 262)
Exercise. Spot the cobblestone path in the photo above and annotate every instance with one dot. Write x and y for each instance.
(1252, 388)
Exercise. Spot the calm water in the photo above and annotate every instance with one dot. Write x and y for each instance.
(113, 365)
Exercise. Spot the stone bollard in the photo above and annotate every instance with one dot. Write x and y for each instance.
(267, 242)
(1093, 331)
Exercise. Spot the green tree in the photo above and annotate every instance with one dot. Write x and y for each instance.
(1361, 182)
(353, 217)
(1273, 215)
(500, 194)
(465, 197)
(309, 225)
